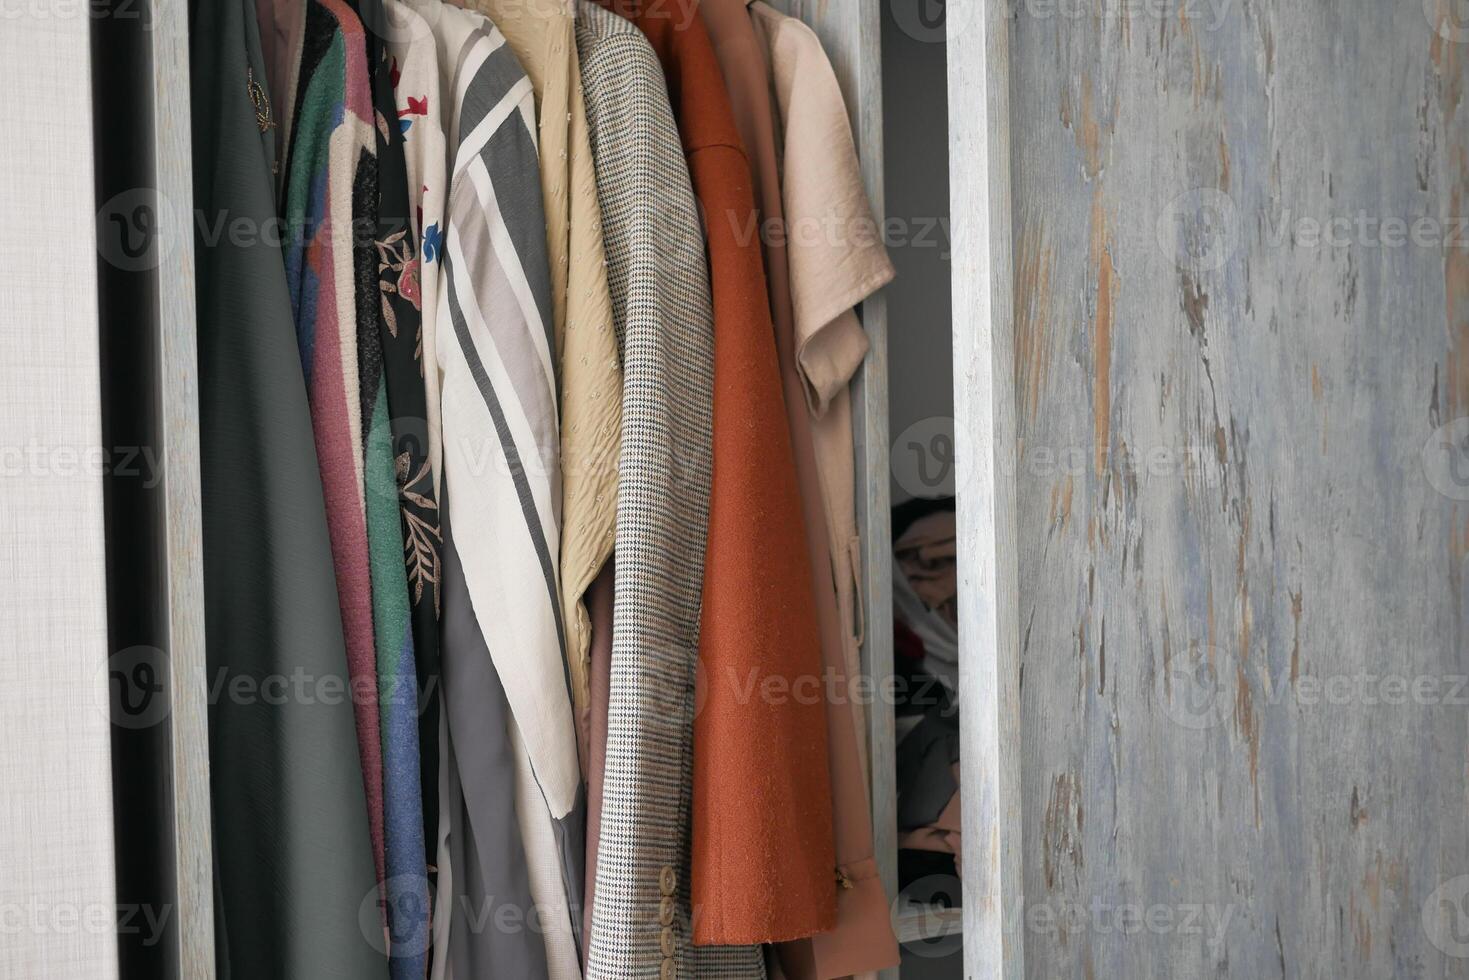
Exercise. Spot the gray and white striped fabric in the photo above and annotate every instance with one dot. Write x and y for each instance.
(659, 278)
(501, 445)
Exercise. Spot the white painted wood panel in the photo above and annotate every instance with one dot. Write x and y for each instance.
(988, 498)
(57, 892)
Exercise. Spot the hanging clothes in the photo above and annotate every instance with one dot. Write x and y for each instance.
(641, 916)
(863, 939)
(543, 36)
(335, 104)
(601, 600)
(331, 132)
(502, 481)
(281, 26)
(293, 852)
(488, 880)
(616, 100)
(505, 305)
(762, 853)
(400, 333)
(419, 117)
(835, 260)
(405, 886)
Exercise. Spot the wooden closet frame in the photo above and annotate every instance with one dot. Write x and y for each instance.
(186, 680)
(985, 451)
(978, 55)
(983, 339)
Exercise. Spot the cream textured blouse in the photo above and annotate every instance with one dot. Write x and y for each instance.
(543, 35)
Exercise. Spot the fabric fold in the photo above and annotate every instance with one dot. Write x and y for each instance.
(764, 852)
(642, 919)
(488, 919)
(405, 883)
(543, 35)
(835, 258)
(294, 860)
(502, 460)
(331, 134)
(403, 464)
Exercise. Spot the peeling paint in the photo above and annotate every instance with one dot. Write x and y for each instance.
(1297, 604)
(1104, 278)
(1090, 136)
(1194, 302)
(1062, 829)
(1456, 308)
(1178, 693)
(1033, 316)
(1357, 817)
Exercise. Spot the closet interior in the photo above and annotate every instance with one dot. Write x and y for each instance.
(922, 464)
(1262, 428)
(178, 714)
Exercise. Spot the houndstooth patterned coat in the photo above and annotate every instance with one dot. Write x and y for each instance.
(659, 278)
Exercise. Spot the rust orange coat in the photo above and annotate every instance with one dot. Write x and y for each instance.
(763, 853)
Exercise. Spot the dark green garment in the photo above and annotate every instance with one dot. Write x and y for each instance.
(294, 867)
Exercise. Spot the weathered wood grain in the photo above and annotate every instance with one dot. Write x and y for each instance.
(178, 375)
(1241, 578)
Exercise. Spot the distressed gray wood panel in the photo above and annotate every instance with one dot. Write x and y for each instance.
(851, 33)
(179, 396)
(987, 503)
(1242, 380)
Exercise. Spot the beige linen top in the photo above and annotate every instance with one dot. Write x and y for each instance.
(837, 260)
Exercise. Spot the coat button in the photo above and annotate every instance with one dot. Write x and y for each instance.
(666, 941)
(667, 880)
(665, 911)
(669, 971)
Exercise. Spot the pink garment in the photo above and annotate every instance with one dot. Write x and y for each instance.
(336, 418)
(599, 598)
